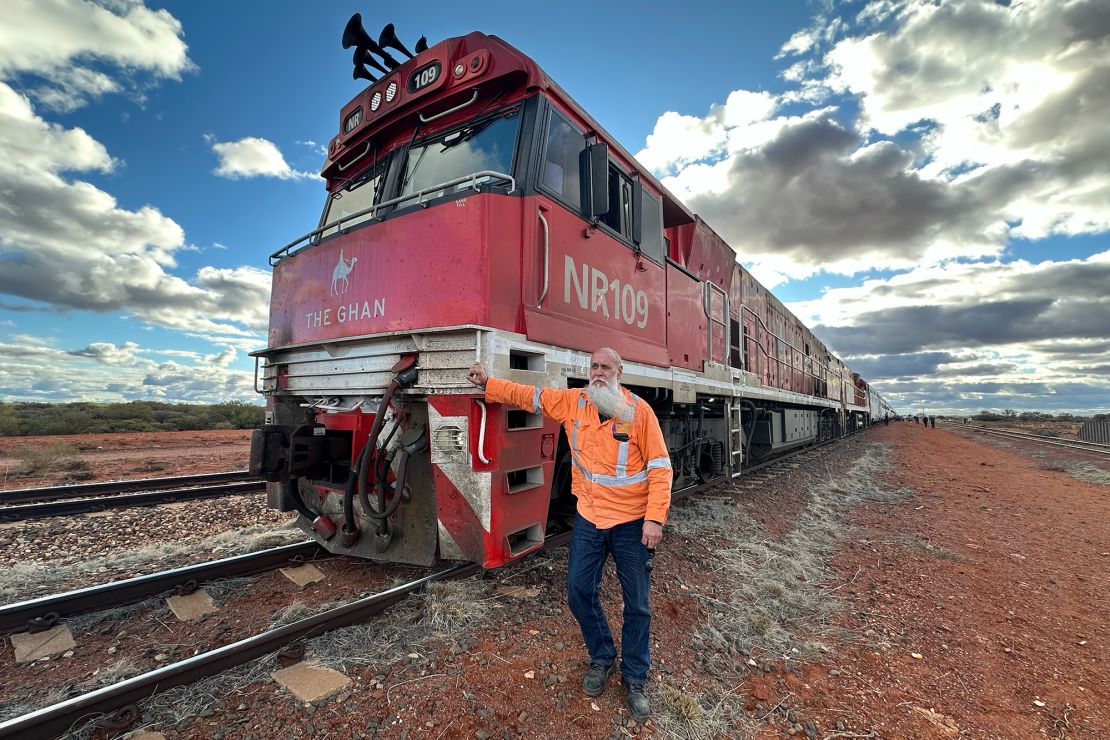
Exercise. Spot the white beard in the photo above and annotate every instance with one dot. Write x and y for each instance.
(610, 401)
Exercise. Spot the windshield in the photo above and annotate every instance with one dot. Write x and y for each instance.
(355, 197)
(484, 145)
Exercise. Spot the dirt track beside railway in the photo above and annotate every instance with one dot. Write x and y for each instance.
(958, 592)
(128, 455)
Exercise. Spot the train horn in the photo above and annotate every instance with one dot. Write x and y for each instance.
(421, 44)
(355, 35)
(363, 56)
(388, 39)
(361, 73)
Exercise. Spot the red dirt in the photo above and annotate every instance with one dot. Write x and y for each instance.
(994, 572)
(1014, 615)
(133, 455)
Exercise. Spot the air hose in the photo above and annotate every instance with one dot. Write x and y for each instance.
(404, 375)
(413, 441)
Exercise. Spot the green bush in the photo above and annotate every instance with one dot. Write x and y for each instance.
(33, 419)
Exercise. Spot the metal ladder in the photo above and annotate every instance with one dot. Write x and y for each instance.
(735, 437)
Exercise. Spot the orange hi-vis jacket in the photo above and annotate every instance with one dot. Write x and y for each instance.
(617, 479)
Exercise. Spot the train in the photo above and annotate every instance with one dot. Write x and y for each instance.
(475, 212)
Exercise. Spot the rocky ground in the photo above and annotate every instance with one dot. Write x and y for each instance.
(911, 583)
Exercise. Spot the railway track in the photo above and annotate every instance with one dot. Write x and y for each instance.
(117, 705)
(1073, 444)
(42, 509)
(107, 488)
(45, 612)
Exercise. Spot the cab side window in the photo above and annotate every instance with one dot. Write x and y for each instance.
(361, 194)
(560, 171)
(651, 229)
(619, 216)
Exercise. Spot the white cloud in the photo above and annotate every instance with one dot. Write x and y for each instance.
(107, 372)
(222, 359)
(253, 157)
(977, 335)
(56, 40)
(66, 244)
(108, 353)
(959, 144)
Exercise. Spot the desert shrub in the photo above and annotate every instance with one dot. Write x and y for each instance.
(153, 466)
(22, 419)
(57, 457)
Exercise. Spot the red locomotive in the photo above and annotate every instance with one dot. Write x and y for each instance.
(476, 212)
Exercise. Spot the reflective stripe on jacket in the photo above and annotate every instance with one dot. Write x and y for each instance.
(615, 481)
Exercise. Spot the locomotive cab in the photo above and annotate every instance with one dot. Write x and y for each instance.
(415, 265)
(475, 212)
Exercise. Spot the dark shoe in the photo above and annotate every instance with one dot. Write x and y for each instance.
(638, 705)
(597, 675)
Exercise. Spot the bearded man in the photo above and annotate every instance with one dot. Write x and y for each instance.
(622, 479)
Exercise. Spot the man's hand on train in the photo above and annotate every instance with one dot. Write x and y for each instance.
(478, 375)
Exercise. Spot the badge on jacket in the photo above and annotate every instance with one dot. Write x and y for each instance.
(621, 431)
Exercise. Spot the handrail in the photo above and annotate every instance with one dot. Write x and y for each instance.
(707, 305)
(830, 374)
(373, 210)
(449, 111)
(365, 151)
(546, 258)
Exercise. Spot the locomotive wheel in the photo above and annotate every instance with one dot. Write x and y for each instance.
(711, 462)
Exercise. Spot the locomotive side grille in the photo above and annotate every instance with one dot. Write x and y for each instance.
(362, 366)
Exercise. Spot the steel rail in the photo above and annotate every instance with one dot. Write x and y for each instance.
(46, 509)
(124, 696)
(82, 490)
(1079, 445)
(56, 719)
(42, 611)
(794, 453)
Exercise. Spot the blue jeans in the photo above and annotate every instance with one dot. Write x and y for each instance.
(589, 549)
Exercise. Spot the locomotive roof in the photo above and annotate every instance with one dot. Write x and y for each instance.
(505, 60)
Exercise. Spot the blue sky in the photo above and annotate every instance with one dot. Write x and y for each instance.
(895, 170)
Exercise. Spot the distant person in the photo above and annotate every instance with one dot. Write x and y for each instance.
(622, 480)
(916, 419)
(933, 422)
(886, 420)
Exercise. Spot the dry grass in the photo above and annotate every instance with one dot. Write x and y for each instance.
(413, 626)
(779, 606)
(1080, 471)
(455, 606)
(28, 580)
(447, 609)
(182, 704)
(153, 466)
(56, 458)
(227, 588)
(87, 622)
(914, 542)
(118, 671)
(680, 715)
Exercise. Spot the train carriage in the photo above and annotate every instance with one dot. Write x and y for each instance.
(475, 212)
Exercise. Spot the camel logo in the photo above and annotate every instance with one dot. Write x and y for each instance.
(339, 275)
